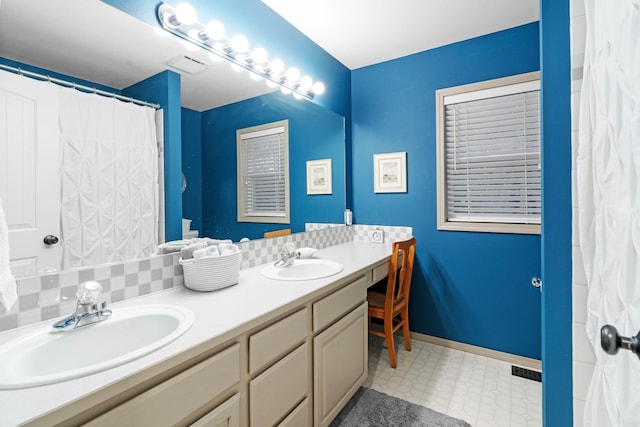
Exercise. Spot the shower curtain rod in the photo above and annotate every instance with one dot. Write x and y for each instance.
(78, 86)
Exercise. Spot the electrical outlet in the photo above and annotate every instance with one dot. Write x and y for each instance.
(376, 236)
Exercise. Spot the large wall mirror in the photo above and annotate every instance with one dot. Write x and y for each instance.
(94, 42)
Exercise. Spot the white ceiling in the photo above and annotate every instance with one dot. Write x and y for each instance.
(364, 32)
(91, 40)
(77, 38)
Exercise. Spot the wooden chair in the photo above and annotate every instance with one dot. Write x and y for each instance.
(393, 305)
(277, 233)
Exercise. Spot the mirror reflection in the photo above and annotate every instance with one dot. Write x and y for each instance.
(215, 101)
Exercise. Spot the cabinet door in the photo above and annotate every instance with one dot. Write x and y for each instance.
(339, 364)
(299, 417)
(275, 392)
(225, 415)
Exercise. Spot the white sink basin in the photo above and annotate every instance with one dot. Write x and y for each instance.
(46, 357)
(303, 269)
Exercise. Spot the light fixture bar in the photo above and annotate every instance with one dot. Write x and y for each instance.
(181, 21)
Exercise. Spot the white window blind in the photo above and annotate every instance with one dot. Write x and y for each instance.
(492, 156)
(263, 164)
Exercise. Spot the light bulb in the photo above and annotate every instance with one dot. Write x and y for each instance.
(215, 30)
(255, 76)
(277, 66)
(185, 14)
(239, 43)
(306, 83)
(318, 88)
(285, 90)
(296, 95)
(270, 83)
(260, 56)
(236, 67)
(293, 74)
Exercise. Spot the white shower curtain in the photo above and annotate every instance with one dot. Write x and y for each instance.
(109, 184)
(608, 171)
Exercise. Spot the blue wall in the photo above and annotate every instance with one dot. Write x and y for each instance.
(556, 213)
(468, 287)
(164, 89)
(314, 133)
(192, 167)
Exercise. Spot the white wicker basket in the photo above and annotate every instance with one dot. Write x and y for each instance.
(211, 272)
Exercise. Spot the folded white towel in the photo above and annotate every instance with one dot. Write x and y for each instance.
(8, 292)
(187, 251)
(208, 251)
(228, 249)
(216, 242)
(175, 246)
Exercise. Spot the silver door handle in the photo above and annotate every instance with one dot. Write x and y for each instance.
(536, 282)
(611, 342)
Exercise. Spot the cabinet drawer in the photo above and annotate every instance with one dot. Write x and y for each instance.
(380, 272)
(275, 392)
(226, 414)
(331, 308)
(276, 340)
(173, 401)
(299, 417)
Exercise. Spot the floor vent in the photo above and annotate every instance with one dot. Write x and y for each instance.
(526, 373)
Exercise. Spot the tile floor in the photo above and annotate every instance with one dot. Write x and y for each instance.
(477, 389)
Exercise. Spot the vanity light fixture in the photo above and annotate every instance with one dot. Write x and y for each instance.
(182, 21)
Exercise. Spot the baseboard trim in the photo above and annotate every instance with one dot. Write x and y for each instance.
(513, 359)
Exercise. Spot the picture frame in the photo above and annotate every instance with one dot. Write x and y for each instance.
(390, 172)
(319, 177)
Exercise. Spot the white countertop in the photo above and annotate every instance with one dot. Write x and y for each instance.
(219, 315)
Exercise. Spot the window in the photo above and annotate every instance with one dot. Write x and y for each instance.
(488, 156)
(263, 173)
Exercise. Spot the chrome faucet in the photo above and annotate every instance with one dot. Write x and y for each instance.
(287, 255)
(88, 310)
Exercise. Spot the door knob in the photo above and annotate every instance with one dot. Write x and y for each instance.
(611, 341)
(536, 282)
(50, 239)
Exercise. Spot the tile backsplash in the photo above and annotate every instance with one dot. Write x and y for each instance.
(48, 296)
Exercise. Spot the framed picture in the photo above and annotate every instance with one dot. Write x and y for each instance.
(319, 176)
(390, 172)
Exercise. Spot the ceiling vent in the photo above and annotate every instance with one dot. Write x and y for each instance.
(187, 64)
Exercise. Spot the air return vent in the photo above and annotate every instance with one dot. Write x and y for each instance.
(188, 64)
(526, 373)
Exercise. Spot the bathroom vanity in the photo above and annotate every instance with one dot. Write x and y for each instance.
(260, 353)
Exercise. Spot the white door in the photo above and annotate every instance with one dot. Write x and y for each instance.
(29, 177)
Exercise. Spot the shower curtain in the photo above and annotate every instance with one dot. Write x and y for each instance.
(608, 175)
(109, 179)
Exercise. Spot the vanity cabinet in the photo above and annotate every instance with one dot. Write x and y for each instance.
(296, 365)
(340, 351)
(181, 398)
